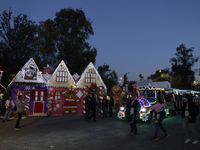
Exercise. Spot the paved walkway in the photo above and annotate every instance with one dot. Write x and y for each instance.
(74, 133)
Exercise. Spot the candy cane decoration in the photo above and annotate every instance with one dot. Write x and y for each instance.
(85, 93)
(27, 97)
(101, 96)
(84, 107)
(49, 105)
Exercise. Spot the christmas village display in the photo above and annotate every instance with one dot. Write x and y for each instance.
(59, 93)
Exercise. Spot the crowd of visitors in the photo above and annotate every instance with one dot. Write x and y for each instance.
(104, 108)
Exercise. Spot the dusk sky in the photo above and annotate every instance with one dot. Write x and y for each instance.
(136, 36)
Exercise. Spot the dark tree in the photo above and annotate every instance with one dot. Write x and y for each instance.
(17, 43)
(161, 75)
(182, 73)
(110, 78)
(74, 30)
(125, 80)
(46, 44)
(63, 38)
(141, 77)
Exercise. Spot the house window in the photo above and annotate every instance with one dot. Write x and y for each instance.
(42, 96)
(19, 92)
(57, 95)
(39, 95)
(90, 77)
(61, 76)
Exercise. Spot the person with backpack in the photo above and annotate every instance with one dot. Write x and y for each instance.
(189, 113)
(133, 110)
(159, 109)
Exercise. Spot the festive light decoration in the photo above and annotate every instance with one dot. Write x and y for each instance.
(120, 114)
(150, 88)
(121, 108)
(144, 117)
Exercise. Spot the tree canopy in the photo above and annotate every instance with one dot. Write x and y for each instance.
(110, 78)
(161, 75)
(17, 43)
(64, 38)
(181, 70)
(74, 30)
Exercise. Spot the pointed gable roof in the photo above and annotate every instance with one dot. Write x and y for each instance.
(52, 81)
(29, 73)
(99, 81)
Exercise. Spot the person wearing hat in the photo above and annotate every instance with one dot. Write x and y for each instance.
(132, 111)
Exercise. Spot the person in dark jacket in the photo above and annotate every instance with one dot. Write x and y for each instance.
(133, 110)
(111, 105)
(189, 113)
(104, 106)
(92, 106)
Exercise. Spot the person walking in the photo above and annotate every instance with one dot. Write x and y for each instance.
(133, 111)
(9, 105)
(20, 108)
(159, 109)
(104, 106)
(189, 114)
(92, 106)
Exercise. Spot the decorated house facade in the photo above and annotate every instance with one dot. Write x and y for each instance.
(62, 92)
(30, 83)
(89, 83)
(59, 93)
(66, 92)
